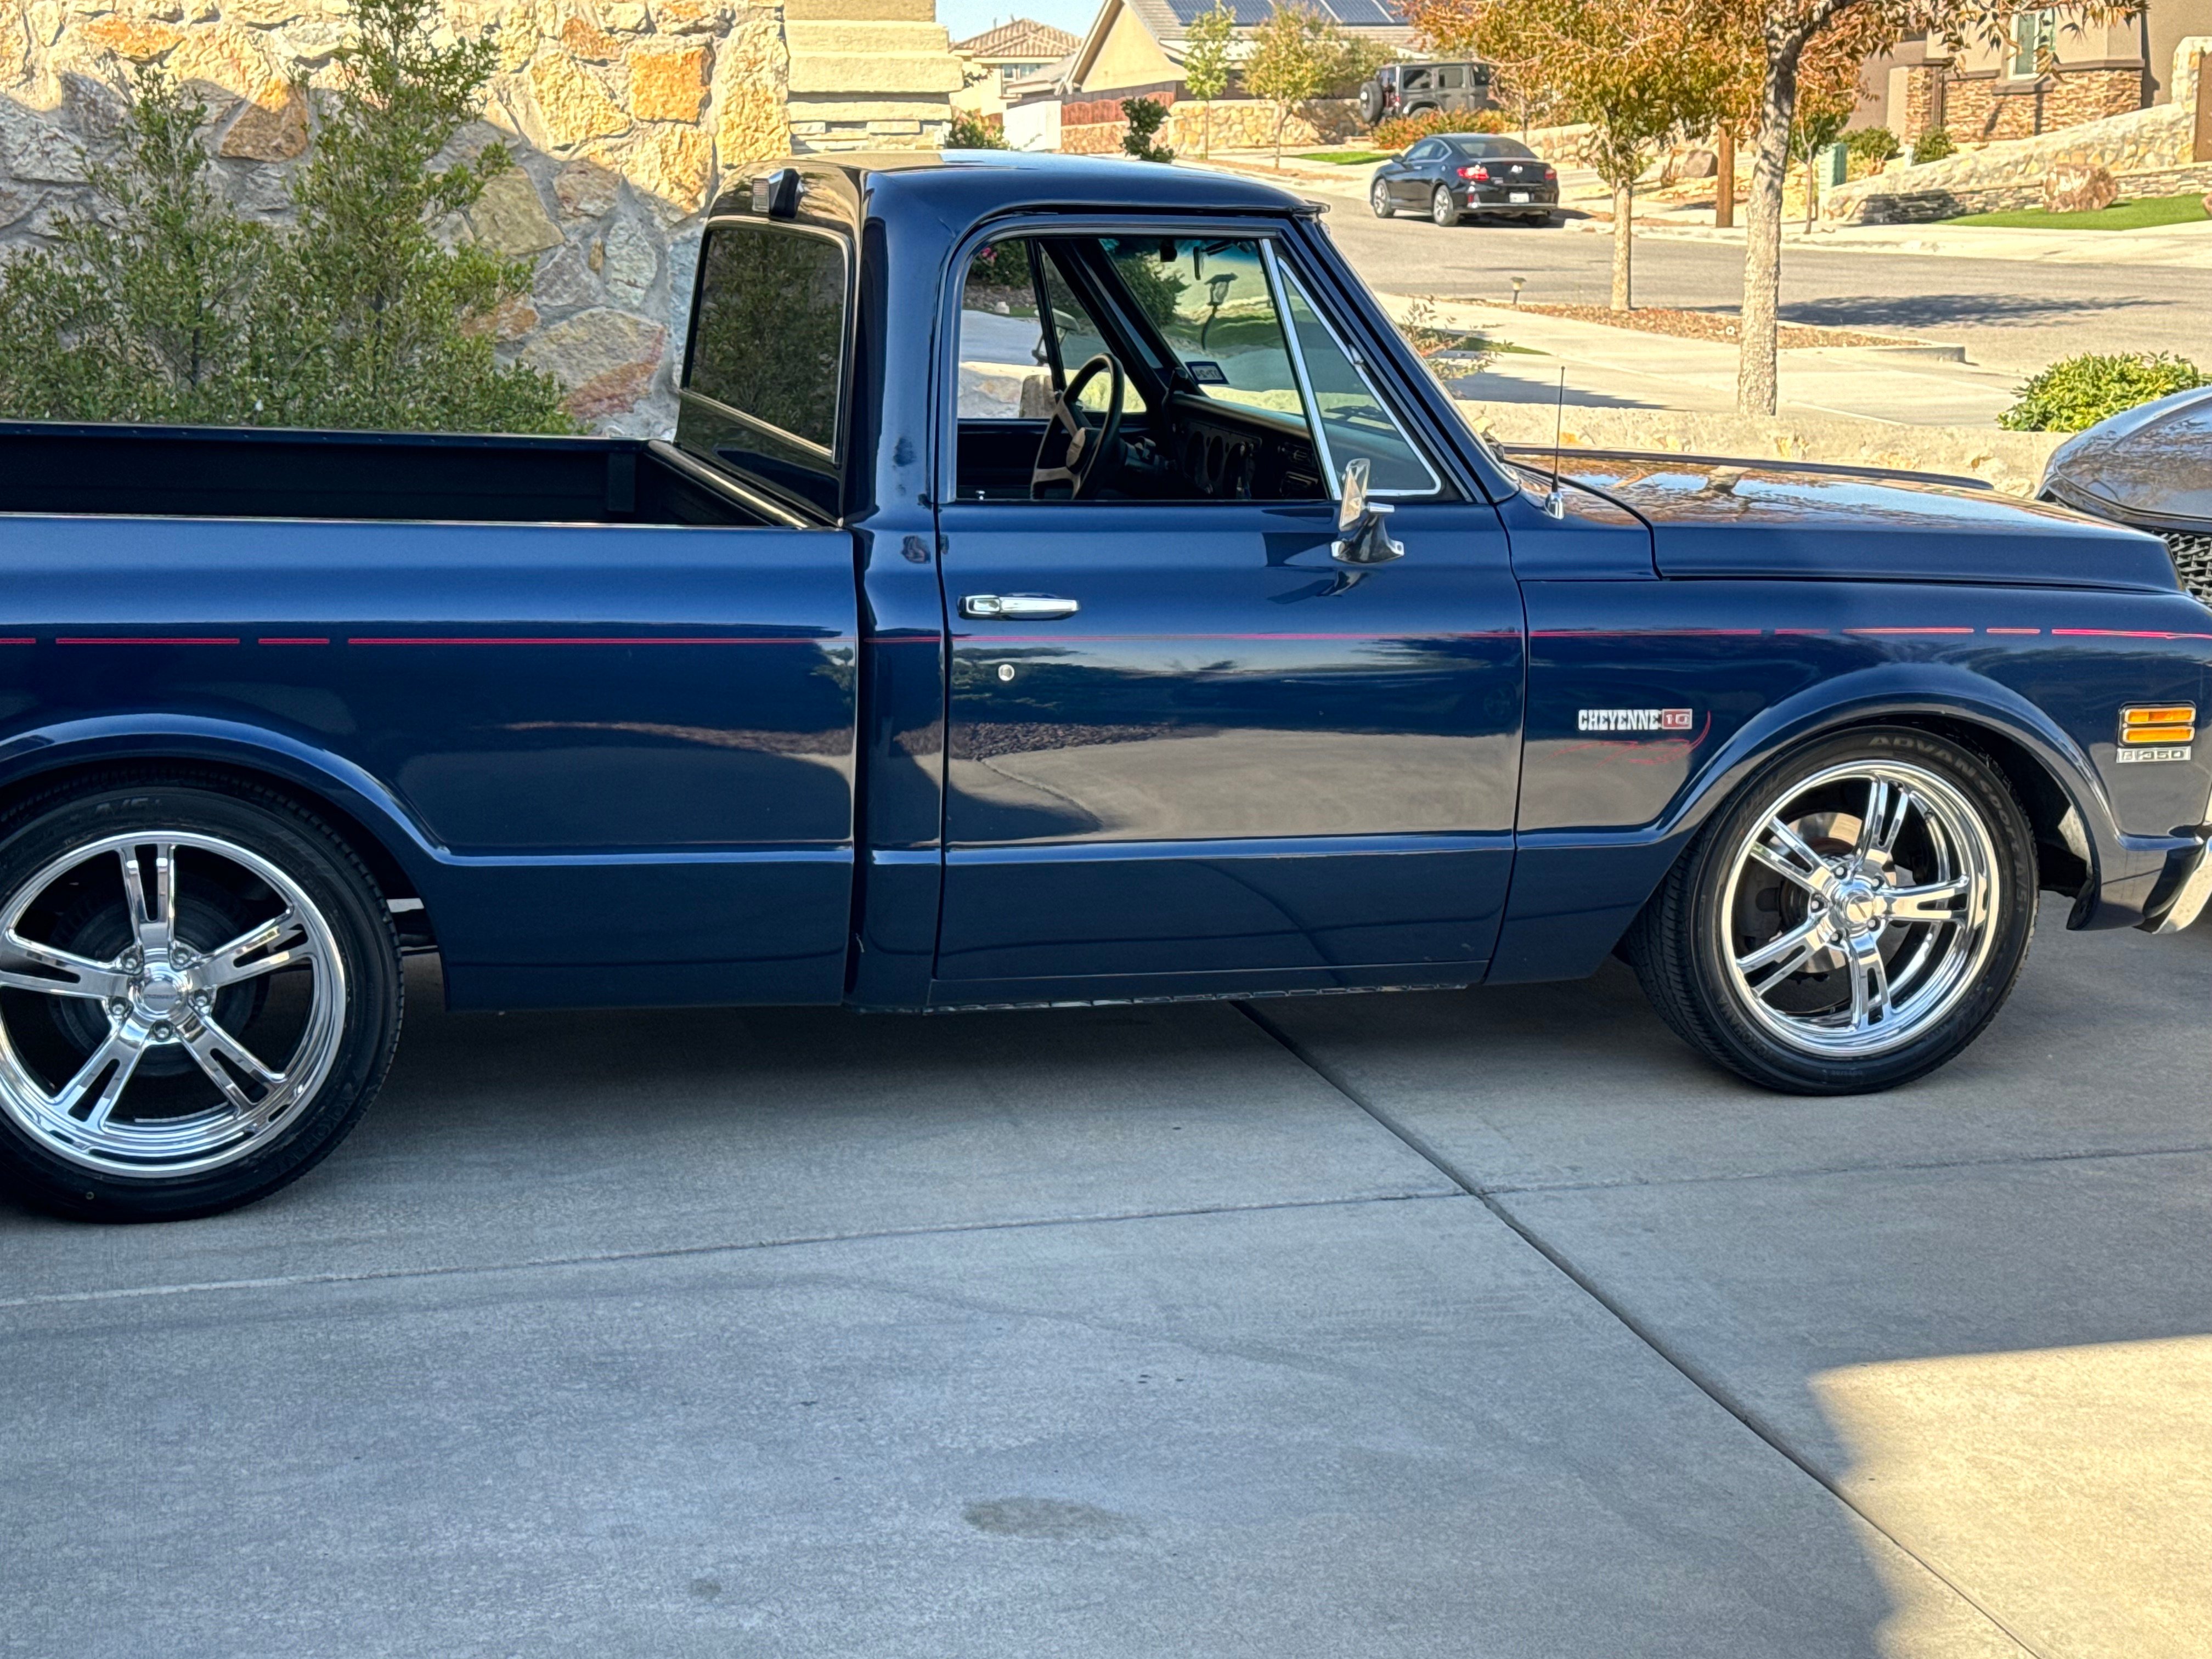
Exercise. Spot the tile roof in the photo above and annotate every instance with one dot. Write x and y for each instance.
(1024, 37)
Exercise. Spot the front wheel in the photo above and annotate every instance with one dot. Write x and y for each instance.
(1378, 198)
(1442, 208)
(1851, 920)
(199, 995)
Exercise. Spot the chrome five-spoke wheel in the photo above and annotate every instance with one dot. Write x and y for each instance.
(1861, 909)
(148, 984)
(198, 995)
(1851, 919)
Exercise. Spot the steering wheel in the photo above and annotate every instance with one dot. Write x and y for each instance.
(1084, 468)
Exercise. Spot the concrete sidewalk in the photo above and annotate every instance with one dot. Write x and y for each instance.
(2185, 245)
(1611, 367)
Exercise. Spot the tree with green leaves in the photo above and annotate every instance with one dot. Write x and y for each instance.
(383, 323)
(1642, 72)
(1205, 65)
(145, 311)
(1145, 117)
(165, 303)
(1296, 55)
(1781, 41)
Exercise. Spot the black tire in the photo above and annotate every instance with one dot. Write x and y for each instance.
(1684, 944)
(353, 1022)
(1443, 211)
(1378, 198)
(1371, 102)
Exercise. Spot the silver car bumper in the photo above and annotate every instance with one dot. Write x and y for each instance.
(2192, 894)
(2190, 898)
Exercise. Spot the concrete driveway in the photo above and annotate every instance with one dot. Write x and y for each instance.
(1473, 1324)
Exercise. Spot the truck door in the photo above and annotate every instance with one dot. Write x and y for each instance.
(1188, 748)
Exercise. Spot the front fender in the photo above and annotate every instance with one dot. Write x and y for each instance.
(1607, 809)
(1914, 693)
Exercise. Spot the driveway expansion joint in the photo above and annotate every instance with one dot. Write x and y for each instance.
(1690, 1373)
(2089, 1155)
(678, 1252)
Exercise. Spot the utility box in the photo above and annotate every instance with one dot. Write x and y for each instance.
(1832, 165)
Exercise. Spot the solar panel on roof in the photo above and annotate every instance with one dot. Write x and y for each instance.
(1361, 12)
(1248, 12)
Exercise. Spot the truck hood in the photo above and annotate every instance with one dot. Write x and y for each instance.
(1712, 518)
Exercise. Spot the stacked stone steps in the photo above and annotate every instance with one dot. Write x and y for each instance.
(868, 74)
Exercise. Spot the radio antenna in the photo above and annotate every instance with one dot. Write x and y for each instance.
(1556, 502)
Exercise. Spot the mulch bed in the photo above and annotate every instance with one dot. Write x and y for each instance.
(1698, 324)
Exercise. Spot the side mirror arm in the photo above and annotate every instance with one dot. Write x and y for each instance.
(1368, 541)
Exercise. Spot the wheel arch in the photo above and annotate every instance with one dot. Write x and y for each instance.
(2057, 787)
(357, 809)
(1547, 937)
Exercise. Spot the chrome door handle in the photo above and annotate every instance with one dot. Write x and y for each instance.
(1017, 607)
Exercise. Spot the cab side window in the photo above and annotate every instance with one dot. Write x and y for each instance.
(1233, 385)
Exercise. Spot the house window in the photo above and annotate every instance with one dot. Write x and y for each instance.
(2034, 39)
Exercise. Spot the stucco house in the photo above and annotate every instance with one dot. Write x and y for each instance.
(1137, 47)
(999, 59)
(2054, 68)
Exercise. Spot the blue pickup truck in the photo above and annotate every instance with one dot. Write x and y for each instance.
(1064, 587)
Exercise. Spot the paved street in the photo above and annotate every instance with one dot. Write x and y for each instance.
(2010, 314)
(1158, 1331)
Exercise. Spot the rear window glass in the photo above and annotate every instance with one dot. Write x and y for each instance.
(770, 333)
(1503, 149)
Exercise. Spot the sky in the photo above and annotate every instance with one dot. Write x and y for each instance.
(966, 17)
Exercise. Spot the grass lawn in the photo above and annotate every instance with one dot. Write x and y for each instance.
(1346, 158)
(2121, 216)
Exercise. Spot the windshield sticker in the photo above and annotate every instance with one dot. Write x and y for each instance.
(1206, 373)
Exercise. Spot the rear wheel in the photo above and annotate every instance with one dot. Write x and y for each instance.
(1378, 198)
(1851, 920)
(199, 995)
(1442, 208)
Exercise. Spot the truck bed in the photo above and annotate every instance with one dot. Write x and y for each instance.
(208, 473)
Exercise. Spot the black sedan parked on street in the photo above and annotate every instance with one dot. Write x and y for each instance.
(1456, 174)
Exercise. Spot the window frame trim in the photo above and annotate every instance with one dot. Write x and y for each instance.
(945, 426)
(834, 452)
(1314, 421)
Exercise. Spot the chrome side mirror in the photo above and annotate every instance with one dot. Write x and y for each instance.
(1362, 536)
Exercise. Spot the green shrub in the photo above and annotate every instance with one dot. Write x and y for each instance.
(164, 303)
(2076, 392)
(1398, 130)
(1875, 145)
(1145, 117)
(154, 309)
(1933, 145)
(974, 132)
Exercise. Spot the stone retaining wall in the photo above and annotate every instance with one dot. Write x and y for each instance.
(1094, 126)
(1922, 207)
(2134, 147)
(624, 118)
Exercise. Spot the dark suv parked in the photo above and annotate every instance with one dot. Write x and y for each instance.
(1412, 88)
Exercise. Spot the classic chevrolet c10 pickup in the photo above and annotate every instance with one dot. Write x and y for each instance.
(1064, 586)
